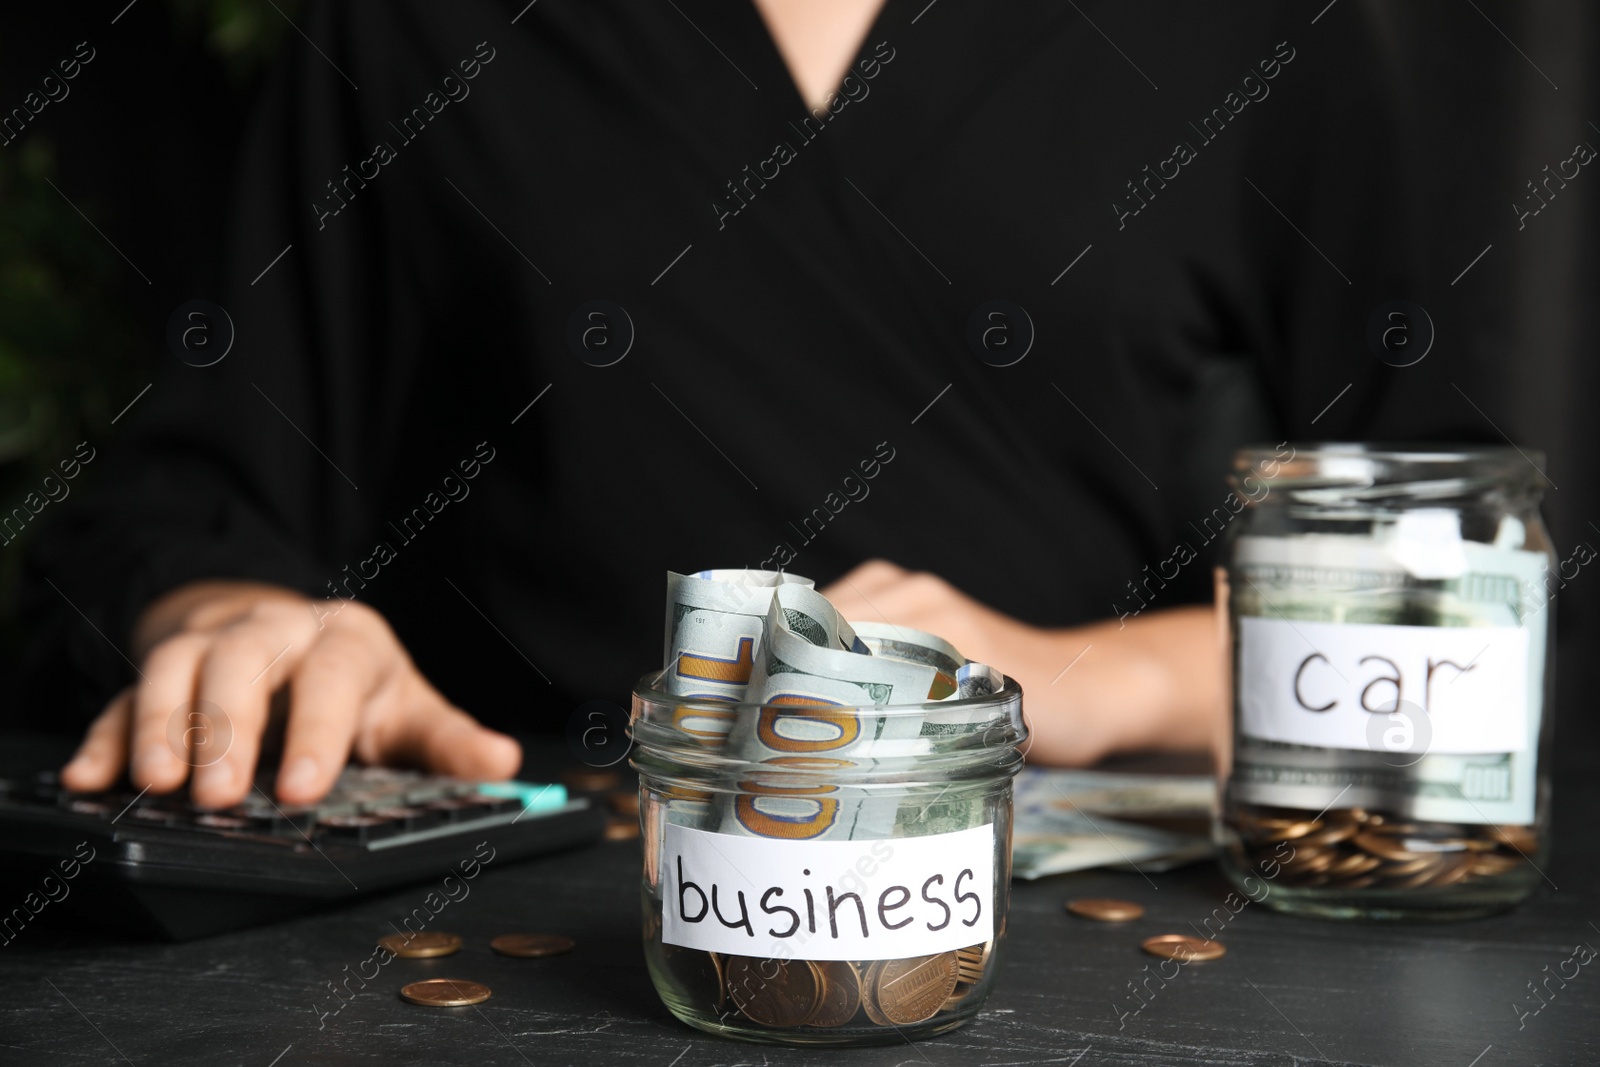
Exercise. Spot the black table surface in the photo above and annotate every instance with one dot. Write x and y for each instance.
(1289, 990)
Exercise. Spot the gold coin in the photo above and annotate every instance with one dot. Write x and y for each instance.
(624, 803)
(841, 994)
(445, 993)
(780, 993)
(1182, 947)
(914, 989)
(532, 946)
(1106, 910)
(622, 829)
(590, 779)
(420, 946)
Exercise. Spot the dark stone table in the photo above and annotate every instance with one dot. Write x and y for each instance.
(1289, 990)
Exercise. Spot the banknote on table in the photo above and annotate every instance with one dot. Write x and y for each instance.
(1068, 820)
(1125, 796)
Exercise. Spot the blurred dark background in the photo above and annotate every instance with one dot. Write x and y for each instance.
(1490, 93)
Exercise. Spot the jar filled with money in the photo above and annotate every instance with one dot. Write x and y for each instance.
(828, 861)
(1389, 615)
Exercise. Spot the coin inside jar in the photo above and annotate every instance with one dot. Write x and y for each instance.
(1182, 947)
(780, 993)
(1105, 910)
(911, 990)
(841, 994)
(445, 993)
(531, 946)
(420, 946)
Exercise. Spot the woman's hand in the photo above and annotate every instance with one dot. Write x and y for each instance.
(228, 646)
(1154, 682)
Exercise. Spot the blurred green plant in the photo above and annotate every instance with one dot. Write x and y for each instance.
(72, 351)
(69, 346)
(242, 34)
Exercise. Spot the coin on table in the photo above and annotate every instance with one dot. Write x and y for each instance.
(781, 993)
(912, 990)
(1182, 947)
(420, 946)
(841, 993)
(622, 829)
(530, 946)
(591, 779)
(445, 993)
(1106, 910)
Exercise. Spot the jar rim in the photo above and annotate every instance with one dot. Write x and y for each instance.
(998, 746)
(1436, 468)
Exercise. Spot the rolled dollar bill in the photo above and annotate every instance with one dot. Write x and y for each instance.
(714, 624)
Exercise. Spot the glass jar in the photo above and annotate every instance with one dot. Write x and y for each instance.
(849, 890)
(1389, 624)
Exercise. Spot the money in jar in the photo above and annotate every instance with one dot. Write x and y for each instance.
(826, 824)
(1389, 618)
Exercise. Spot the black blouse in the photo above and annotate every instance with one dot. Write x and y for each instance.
(533, 305)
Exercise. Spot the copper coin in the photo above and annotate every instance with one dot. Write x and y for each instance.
(445, 993)
(870, 980)
(624, 803)
(1105, 910)
(1182, 947)
(841, 994)
(1292, 831)
(1383, 845)
(780, 993)
(1415, 865)
(622, 829)
(1517, 838)
(532, 946)
(972, 962)
(590, 779)
(420, 946)
(1354, 865)
(914, 989)
(696, 976)
(1331, 835)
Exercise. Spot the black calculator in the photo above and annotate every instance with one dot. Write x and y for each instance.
(142, 863)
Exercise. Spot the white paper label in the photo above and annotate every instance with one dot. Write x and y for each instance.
(1458, 690)
(827, 900)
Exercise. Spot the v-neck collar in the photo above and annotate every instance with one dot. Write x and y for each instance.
(777, 67)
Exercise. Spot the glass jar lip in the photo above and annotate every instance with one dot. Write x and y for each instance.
(644, 690)
(1357, 464)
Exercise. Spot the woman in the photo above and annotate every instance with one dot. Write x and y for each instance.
(532, 306)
